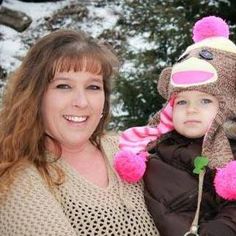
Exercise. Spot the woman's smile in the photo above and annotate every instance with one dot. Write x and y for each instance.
(76, 119)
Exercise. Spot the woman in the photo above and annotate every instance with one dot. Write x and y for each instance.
(56, 176)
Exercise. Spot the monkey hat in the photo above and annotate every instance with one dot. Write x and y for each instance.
(209, 66)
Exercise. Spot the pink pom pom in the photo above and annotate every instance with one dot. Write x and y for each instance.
(130, 166)
(210, 26)
(225, 181)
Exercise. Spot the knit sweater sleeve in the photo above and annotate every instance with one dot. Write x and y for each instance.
(30, 208)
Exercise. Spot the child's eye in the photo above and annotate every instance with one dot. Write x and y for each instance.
(63, 86)
(181, 102)
(206, 101)
(94, 87)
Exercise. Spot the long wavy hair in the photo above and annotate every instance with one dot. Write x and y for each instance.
(22, 136)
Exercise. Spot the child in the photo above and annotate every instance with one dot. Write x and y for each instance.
(190, 177)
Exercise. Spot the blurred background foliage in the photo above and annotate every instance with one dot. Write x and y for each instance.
(167, 25)
(161, 29)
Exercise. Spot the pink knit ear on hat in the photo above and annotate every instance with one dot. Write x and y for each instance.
(130, 161)
(210, 26)
(225, 181)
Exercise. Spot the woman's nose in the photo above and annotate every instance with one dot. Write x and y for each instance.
(80, 99)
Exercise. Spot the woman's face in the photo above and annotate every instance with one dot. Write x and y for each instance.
(72, 107)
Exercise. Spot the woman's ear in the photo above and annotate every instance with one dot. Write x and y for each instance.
(163, 82)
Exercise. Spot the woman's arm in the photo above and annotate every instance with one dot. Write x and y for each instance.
(31, 209)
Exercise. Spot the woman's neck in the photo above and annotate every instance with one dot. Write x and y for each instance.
(89, 162)
(86, 159)
(80, 150)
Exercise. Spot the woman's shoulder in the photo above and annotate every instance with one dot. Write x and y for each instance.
(109, 145)
(110, 136)
(110, 141)
(26, 182)
(31, 208)
(26, 176)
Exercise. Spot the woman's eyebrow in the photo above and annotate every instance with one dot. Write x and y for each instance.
(99, 80)
(61, 78)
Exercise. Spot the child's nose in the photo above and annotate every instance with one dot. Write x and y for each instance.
(192, 108)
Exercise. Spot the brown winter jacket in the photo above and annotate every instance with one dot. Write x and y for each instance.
(171, 191)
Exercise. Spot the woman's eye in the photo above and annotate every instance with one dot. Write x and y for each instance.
(94, 87)
(181, 102)
(63, 86)
(206, 100)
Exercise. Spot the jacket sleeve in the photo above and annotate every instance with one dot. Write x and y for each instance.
(223, 224)
(31, 209)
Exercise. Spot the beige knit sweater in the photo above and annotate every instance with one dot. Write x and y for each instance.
(77, 207)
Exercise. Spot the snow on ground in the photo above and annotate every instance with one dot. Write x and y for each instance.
(106, 19)
(12, 48)
(35, 10)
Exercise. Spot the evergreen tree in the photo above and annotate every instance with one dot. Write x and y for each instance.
(164, 30)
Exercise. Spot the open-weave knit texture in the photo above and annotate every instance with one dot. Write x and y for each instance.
(78, 207)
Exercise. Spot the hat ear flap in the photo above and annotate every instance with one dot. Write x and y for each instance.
(163, 82)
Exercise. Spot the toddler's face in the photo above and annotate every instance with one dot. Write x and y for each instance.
(193, 113)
